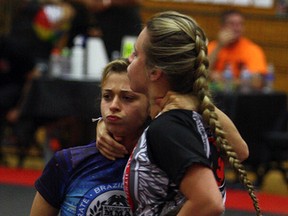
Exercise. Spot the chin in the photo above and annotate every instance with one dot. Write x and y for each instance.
(115, 131)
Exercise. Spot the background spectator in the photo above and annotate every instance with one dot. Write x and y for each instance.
(232, 49)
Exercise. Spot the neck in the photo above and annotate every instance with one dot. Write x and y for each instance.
(157, 91)
(128, 141)
(174, 100)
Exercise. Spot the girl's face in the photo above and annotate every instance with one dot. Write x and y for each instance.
(138, 72)
(124, 111)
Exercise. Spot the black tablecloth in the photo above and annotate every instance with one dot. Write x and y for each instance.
(52, 99)
(254, 114)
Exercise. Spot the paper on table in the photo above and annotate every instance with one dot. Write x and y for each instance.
(263, 3)
(243, 2)
(222, 2)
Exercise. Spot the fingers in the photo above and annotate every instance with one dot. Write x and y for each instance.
(110, 148)
(111, 145)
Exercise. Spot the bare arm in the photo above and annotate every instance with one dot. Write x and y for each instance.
(112, 149)
(233, 136)
(14, 113)
(202, 193)
(41, 207)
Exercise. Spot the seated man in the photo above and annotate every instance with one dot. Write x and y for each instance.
(232, 49)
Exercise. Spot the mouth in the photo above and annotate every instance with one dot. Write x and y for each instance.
(113, 118)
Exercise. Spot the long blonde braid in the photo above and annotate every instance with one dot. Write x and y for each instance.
(207, 109)
(178, 46)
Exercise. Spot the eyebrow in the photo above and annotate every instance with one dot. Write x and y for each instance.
(122, 90)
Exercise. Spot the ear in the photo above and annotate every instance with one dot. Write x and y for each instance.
(155, 74)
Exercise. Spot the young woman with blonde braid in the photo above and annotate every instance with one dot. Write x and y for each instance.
(173, 168)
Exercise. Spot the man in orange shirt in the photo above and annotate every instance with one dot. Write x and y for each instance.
(234, 50)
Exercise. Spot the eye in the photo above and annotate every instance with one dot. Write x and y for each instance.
(132, 56)
(106, 96)
(128, 98)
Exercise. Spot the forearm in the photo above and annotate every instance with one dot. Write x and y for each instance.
(40, 207)
(202, 193)
(207, 209)
(233, 136)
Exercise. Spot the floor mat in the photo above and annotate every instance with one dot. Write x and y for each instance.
(236, 199)
(269, 203)
(17, 176)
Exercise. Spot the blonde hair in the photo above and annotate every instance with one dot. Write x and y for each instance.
(115, 66)
(178, 46)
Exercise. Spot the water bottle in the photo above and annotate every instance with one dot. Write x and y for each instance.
(245, 80)
(65, 62)
(228, 79)
(55, 63)
(269, 79)
(77, 58)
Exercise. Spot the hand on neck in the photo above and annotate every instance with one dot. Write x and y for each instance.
(128, 141)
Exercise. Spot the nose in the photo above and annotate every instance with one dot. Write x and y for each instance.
(130, 58)
(115, 104)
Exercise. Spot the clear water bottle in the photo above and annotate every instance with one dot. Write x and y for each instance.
(77, 58)
(55, 63)
(245, 80)
(65, 61)
(228, 79)
(269, 79)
